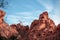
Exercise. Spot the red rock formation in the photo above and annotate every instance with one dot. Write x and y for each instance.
(41, 29)
(22, 31)
(5, 30)
(34, 23)
(43, 22)
(58, 27)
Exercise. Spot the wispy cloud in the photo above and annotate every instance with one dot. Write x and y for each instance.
(29, 15)
(56, 19)
(12, 19)
(25, 17)
(31, 9)
(57, 12)
(54, 10)
(47, 4)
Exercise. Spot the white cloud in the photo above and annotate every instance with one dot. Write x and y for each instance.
(53, 8)
(47, 4)
(56, 19)
(24, 17)
(57, 12)
(29, 15)
(12, 19)
(23, 13)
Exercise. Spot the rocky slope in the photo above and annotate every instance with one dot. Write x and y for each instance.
(42, 29)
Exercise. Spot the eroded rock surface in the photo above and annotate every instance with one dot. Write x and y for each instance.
(5, 30)
(42, 29)
(43, 22)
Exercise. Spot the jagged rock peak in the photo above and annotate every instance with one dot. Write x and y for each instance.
(2, 14)
(44, 22)
(43, 16)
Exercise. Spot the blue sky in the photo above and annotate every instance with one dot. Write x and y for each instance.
(28, 10)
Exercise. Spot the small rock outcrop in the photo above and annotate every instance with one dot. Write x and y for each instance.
(5, 30)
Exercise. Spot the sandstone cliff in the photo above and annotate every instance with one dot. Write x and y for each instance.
(42, 29)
